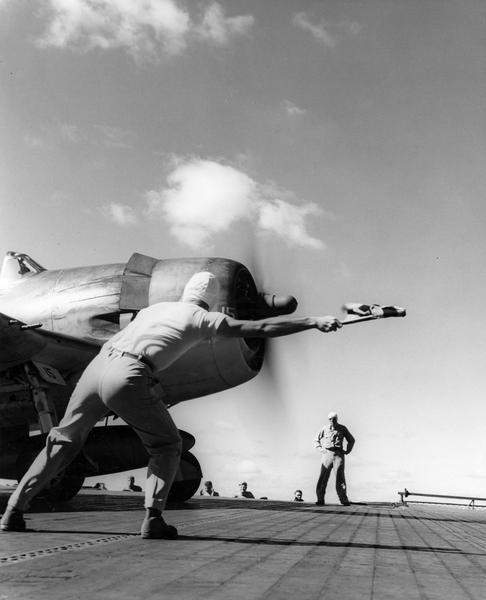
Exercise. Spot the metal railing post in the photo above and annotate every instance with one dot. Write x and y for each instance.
(472, 500)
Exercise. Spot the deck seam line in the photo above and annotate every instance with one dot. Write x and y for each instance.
(409, 556)
(438, 557)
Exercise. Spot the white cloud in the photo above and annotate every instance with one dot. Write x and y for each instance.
(145, 29)
(326, 33)
(135, 26)
(204, 197)
(293, 110)
(218, 28)
(319, 32)
(120, 213)
(288, 221)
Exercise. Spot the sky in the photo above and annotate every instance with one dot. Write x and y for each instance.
(341, 142)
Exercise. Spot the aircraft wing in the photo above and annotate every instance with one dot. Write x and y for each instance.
(20, 343)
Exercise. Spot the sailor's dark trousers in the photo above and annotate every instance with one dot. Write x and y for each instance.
(332, 459)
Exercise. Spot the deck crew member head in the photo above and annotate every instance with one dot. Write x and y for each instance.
(208, 489)
(298, 496)
(244, 491)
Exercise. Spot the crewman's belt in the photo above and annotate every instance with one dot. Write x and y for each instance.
(140, 357)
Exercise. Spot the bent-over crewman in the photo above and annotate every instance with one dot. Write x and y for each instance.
(122, 379)
(329, 440)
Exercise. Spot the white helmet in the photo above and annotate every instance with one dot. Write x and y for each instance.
(201, 287)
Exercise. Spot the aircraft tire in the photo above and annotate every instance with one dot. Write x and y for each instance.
(63, 487)
(188, 481)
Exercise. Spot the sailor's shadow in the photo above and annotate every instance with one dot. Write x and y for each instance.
(101, 534)
(272, 505)
(328, 544)
(266, 541)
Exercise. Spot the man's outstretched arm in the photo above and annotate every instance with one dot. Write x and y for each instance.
(276, 326)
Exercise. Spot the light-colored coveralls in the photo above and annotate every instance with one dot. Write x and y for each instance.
(126, 385)
(329, 440)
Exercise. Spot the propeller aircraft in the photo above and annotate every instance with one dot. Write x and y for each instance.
(53, 322)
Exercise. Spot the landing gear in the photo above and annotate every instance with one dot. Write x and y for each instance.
(188, 479)
(64, 486)
(67, 483)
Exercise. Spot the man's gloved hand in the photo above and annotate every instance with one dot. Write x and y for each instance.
(328, 323)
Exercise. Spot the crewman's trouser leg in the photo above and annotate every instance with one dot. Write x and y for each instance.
(126, 390)
(64, 441)
(340, 478)
(326, 466)
(122, 385)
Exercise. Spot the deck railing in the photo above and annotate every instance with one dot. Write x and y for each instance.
(471, 504)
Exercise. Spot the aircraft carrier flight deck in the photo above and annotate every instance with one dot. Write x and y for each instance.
(235, 549)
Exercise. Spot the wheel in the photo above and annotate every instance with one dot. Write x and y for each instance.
(64, 486)
(188, 479)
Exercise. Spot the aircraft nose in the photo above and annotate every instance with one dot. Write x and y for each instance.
(274, 305)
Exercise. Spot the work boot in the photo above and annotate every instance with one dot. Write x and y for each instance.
(12, 520)
(320, 503)
(155, 528)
